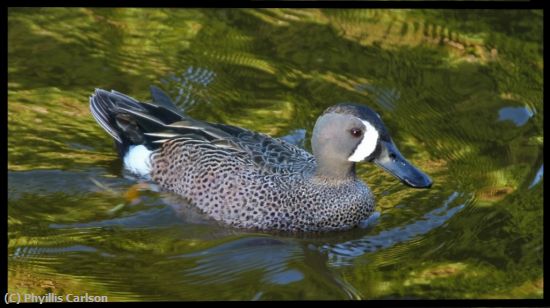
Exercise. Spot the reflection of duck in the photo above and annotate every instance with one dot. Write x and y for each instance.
(250, 180)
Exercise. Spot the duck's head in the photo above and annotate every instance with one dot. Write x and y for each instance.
(347, 133)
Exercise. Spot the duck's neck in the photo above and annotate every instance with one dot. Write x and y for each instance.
(333, 170)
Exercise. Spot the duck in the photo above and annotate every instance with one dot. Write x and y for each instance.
(247, 179)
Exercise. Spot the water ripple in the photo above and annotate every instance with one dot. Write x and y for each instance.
(227, 262)
(343, 253)
(538, 177)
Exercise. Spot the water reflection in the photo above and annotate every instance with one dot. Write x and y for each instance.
(538, 177)
(296, 137)
(343, 254)
(186, 87)
(518, 115)
(154, 218)
(385, 98)
(50, 181)
(29, 251)
(270, 258)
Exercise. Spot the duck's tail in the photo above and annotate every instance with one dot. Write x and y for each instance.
(129, 122)
(139, 128)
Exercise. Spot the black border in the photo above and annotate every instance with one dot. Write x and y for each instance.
(286, 4)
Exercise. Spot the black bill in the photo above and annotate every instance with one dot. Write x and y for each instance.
(391, 160)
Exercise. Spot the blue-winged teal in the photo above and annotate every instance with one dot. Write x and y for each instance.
(248, 179)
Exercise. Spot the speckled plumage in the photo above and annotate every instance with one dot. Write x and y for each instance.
(236, 176)
(230, 187)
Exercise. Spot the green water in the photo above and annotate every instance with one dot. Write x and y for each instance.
(460, 91)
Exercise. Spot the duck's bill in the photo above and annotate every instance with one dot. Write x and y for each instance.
(391, 160)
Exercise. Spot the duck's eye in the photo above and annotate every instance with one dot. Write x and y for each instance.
(356, 132)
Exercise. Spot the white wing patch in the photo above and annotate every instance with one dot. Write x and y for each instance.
(138, 160)
(367, 145)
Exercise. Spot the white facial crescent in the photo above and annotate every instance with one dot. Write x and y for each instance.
(367, 145)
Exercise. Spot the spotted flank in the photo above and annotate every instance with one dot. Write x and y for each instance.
(247, 179)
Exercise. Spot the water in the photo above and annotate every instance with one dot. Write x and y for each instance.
(460, 91)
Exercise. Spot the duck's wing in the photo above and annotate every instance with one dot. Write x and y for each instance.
(131, 122)
(271, 154)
